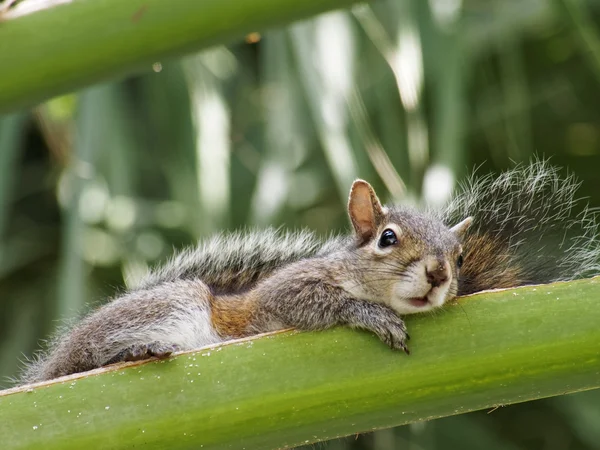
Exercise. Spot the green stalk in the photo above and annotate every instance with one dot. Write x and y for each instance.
(292, 388)
(72, 45)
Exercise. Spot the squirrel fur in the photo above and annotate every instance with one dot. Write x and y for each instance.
(397, 261)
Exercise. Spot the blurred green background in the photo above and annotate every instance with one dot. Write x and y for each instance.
(99, 185)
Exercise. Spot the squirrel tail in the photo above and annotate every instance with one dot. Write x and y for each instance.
(524, 231)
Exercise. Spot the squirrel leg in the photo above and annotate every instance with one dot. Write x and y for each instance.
(319, 305)
(138, 352)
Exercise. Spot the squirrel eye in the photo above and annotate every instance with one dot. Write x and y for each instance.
(388, 237)
(459, 261)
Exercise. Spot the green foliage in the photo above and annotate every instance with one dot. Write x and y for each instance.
(100, 184)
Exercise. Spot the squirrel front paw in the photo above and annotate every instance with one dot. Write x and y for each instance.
(379, 319)
(392, 331)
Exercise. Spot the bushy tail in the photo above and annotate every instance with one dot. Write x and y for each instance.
(526, 229)
(234, 262)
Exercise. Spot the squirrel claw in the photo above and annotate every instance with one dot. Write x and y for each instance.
(138, 352)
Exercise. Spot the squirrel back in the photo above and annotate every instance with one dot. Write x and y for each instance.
(524, 231)
(235, 262)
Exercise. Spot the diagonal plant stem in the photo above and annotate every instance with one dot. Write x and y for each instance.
(291, 388)
(82, 42)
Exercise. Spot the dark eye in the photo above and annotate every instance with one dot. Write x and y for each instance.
(459, 261)
(388, 237)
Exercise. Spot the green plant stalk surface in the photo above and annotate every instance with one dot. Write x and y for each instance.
(292, 388)
(72, 45)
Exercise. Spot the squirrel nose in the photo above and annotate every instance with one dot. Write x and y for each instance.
(436, 273)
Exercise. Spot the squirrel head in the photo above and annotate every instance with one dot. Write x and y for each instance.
(407, 259)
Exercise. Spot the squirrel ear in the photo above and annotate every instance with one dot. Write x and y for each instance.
(364, 209)
(460, 228)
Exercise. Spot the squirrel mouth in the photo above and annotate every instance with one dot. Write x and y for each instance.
(419, 302)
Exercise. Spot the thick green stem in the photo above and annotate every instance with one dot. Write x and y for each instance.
(291, 388)
(72, 45)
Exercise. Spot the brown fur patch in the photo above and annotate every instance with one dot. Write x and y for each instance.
(488, 265)
(231, 316)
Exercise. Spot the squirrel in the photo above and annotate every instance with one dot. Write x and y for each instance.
(501, 232)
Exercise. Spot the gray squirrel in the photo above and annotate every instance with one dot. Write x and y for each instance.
(501, 232)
